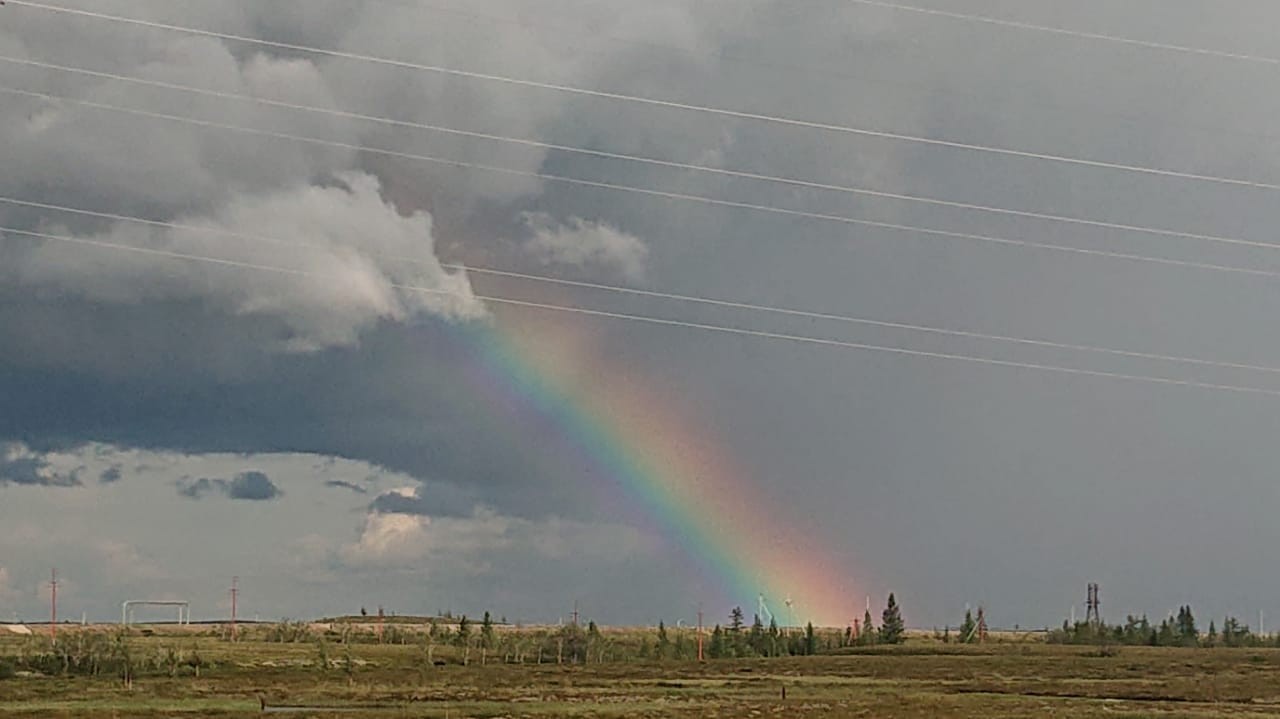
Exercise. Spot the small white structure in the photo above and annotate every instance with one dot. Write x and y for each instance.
(126, 609)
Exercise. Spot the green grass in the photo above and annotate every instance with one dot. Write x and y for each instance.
(920, 679)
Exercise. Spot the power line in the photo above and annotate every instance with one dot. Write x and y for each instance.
(648, 319)
(655, 102)
(1019, 25)
(695, 299)
(656, 162)
(776, 65)
(700, 199)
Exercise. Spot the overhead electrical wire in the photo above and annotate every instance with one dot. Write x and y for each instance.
(654, 102)
(748, 60)
(617, 289)
(656, 162)
(700, 199)
(1106, 37)
(648, 319)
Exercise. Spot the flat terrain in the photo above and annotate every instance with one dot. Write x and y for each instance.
(919, 679)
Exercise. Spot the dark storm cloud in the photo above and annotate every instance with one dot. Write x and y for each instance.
(340, 484)
(199, 488)
(110, 474)
(430, 500)
(254, 486)
(251, 486)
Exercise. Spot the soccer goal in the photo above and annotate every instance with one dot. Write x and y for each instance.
(126, 609)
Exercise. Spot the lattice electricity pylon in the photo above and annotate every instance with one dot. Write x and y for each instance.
(1093, 613)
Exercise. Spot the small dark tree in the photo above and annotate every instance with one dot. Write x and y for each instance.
(716, 650)
(1187, 632)
(892, 630)
(968, 630)
(664, 643)
(756, 640)
(810, 640)
(486, 632)
(868, 635)
(463, 636)
(736, 620)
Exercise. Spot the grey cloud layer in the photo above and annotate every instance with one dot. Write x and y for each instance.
(1015, 477)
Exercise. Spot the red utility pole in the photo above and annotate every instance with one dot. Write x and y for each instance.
(235, 592)
(53, 605)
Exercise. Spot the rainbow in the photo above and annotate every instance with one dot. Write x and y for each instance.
(664, 465)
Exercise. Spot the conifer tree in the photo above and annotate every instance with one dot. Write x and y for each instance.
(664, 643)
(716, 650)
(486, 632)
(968, 628)
(756, 640)
(1188, 634)
(464, 631)
(892, 630)
(868, 635)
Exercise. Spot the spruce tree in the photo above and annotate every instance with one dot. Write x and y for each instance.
(868, 635)
(1188, 634)
(892, 630)
(486, 632)
(968, 628)
(810, 640)
(736, 620)
(464, 631)
(664, 644)
(756, 640)
(716, 649)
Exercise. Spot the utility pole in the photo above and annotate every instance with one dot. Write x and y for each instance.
(700, 634)
(53, 606)
(235, 592)
(575, 612)
(1093, 614)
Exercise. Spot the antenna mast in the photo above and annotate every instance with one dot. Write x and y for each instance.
(53, 606)
(235, 592)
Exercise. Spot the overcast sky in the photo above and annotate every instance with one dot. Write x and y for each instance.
(166, 424)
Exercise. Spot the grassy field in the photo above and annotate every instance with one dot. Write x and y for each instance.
(1011, 678)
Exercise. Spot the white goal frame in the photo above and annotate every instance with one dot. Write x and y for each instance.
(126, 609)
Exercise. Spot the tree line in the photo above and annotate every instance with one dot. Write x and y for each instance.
(1180, 630)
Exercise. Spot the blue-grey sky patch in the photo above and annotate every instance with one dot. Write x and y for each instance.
(20, 466)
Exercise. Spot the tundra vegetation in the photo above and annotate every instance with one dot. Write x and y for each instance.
(457, 667)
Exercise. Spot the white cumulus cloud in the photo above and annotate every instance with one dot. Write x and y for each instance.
(347, 260)
(583, 243)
